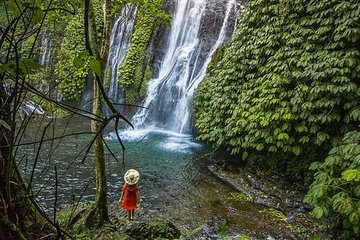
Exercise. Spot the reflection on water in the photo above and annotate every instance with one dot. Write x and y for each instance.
(174, 180)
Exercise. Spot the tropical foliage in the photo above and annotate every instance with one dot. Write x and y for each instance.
(71, 78)
(336, 188)
(287, 89)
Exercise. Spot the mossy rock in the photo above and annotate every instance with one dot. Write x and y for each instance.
(159, 229)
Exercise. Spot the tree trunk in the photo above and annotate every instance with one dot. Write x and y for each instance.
(100, 52)
(101, 188)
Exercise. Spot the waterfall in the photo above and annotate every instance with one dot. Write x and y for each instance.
(119, 43)
(45, 49)
(170, 94)
(120, 39)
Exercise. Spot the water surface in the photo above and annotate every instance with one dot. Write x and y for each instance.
(175, 182)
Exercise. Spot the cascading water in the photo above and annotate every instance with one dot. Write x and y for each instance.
(45, 49)
(170, 94)
(119, 43)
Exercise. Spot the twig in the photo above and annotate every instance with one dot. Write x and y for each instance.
(108, 148)
(37, 157)
(56, 194)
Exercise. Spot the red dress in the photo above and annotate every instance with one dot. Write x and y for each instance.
(130, 196)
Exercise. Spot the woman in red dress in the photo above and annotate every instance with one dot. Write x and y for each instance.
(130, 194)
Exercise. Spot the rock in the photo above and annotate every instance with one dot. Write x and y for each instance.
(264, 191)
(153, 230)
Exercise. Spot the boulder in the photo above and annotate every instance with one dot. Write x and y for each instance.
(156, 229)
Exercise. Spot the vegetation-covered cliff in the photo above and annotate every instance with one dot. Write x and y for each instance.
(286, 93)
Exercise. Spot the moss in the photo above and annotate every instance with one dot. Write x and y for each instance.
(240, 197)
(275, 214)
(107, 79)
(158, 229)
(63, 217)
(84, 235)
(131, 95)
(144, 85)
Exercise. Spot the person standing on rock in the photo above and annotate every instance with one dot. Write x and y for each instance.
(130, 194)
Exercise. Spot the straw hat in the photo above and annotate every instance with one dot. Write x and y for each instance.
(131, 177)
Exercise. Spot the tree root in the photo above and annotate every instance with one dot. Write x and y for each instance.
(94, 219)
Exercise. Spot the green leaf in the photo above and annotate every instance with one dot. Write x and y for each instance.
(304, 139)
(31, 64)
(259, 147)
(95, 65)
(282, 136)
(314, 165)
(351, 175)
(296, 150)
(318, 212)
(264, 123)
(354, 218)
(84, 55)
(244, 155)
(316, 238)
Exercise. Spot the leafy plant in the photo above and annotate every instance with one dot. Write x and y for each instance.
(70, 75)
(288, 83)
(336, 188)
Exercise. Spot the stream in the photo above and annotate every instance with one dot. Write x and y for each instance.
(175, 182)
